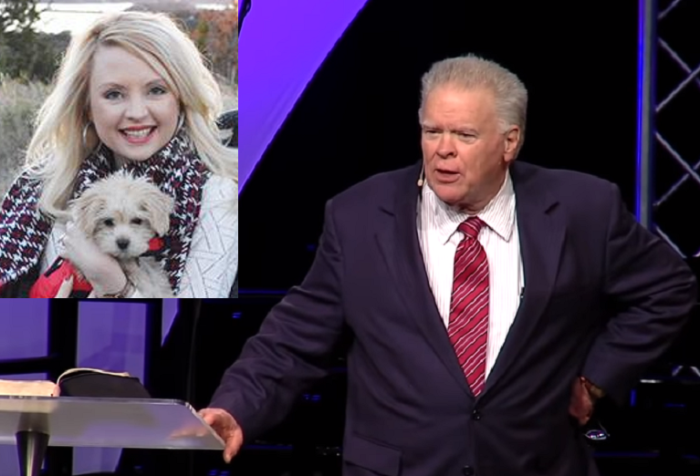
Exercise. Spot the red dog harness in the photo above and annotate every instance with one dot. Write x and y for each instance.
(49, 283)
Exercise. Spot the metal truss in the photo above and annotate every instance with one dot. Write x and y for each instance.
(668, 187)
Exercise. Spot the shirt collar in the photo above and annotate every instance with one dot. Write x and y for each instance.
(499, 214)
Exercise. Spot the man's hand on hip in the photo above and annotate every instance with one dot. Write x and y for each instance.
(226, 427)
(583, 397)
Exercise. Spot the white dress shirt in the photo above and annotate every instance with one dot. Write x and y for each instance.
(439, 237)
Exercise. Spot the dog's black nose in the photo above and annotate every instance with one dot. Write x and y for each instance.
(122, 243)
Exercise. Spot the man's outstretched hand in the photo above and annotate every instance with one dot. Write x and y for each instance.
(226, 427)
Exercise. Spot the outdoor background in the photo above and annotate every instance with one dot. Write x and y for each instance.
(34, 35)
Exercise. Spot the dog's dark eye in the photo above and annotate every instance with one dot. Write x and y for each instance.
(109, 222)
(136, 221)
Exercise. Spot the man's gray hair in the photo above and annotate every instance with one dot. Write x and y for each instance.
(472, 72)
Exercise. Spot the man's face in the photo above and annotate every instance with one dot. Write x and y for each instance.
(465, 151)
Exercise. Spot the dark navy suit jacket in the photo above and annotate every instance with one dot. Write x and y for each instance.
(603, 298)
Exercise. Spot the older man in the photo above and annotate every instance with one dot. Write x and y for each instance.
(490, 302)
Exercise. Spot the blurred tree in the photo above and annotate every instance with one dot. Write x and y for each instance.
(234, 72)
(25, 53)
(216, 35)
(18, 16)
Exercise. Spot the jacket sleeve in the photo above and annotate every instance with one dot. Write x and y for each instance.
(652, 291)
(212, 262)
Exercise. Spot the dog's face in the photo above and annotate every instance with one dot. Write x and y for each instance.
(121, 214)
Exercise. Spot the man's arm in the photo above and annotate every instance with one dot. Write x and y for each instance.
(653, 292)
(292, 347)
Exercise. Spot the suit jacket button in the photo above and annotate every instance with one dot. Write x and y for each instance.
(468, 471)
(476, 415)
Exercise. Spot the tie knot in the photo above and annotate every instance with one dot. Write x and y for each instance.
(471, 227)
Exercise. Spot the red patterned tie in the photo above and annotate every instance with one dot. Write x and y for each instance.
(469, 309)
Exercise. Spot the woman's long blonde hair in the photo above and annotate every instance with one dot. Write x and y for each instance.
(58, 148)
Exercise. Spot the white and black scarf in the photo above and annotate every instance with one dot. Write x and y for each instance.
(176, 169)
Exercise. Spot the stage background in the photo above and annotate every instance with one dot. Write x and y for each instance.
(111, 336)
(358, 113)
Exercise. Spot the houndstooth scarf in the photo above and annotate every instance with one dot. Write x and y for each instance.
(176, 169)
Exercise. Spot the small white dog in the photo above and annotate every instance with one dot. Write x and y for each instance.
(121, 214)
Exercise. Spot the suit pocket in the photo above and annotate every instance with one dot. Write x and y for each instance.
(373, 456)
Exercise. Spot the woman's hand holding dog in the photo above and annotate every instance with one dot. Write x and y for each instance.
(101, 270)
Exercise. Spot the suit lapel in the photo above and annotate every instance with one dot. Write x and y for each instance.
(542, 229)
(399, 245)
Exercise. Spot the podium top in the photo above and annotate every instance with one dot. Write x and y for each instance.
(107, 422)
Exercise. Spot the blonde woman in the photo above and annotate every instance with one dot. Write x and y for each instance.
(133, 94)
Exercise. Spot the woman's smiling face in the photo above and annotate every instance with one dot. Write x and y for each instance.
(134, 112)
